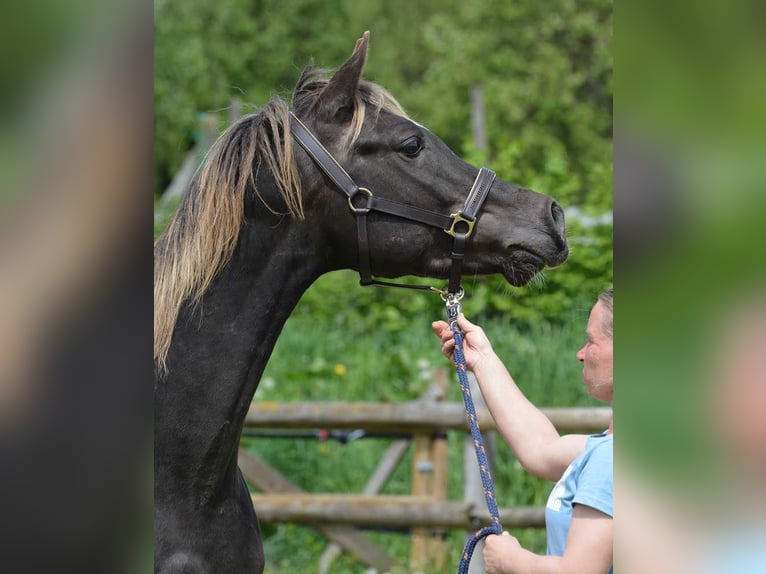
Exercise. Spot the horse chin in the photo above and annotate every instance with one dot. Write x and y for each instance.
(519, 276)
(518, 267)
(522, 267)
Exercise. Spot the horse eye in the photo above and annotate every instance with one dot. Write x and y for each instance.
(411, 147)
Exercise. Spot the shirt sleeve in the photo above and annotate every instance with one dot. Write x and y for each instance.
(595, 485)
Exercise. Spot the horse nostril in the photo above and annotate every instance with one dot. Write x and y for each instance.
(558, 217)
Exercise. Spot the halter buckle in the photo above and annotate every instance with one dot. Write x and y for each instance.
(457, 218)
(359, 210)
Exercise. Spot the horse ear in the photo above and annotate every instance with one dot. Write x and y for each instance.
(337, 98)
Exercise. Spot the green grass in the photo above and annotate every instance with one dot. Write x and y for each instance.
(345, 359)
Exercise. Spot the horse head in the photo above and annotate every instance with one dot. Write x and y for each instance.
(517, 234)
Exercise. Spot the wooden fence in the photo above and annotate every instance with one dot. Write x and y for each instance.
(426, 513)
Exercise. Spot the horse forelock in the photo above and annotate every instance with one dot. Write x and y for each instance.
(202, 236)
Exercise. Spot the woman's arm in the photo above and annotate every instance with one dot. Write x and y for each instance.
(588, 549)
(530, 434)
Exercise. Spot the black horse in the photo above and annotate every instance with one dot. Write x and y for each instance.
(259, 224)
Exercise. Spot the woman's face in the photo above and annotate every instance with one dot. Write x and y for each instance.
(596, 356)
(738, 398)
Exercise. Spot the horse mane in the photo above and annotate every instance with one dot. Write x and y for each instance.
(202, 235)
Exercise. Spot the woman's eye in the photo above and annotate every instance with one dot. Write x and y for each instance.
(411, 146)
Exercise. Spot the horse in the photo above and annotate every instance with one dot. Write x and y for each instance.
(260, 222)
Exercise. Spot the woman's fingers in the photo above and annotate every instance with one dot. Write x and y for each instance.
(439, 328)
(442, 330)
(464, 323)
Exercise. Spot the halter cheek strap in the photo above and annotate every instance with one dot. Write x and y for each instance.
(459, 225)
(463, 223)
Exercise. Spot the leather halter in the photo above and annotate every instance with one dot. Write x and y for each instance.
(459, 225)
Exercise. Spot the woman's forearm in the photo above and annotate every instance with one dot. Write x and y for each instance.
(528, 432)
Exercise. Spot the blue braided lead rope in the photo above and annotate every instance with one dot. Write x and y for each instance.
(481, 455)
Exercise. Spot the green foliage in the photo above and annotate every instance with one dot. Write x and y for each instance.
(545, 74)
(164, 207)
(207, 53)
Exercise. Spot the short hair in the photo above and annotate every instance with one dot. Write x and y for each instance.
(607, 301)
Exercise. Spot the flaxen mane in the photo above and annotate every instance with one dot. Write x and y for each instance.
(203, 233)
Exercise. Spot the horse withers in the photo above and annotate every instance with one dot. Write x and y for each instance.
(259, 224)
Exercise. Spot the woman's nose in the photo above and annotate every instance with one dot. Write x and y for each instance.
(581, 355)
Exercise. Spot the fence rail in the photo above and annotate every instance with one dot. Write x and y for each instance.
(388, 511)
(415, 417)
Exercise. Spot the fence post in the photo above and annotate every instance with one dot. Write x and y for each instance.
(437, 544)
(429, 478)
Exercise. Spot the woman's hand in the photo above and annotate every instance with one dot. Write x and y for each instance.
(476, 345)
(501, 553)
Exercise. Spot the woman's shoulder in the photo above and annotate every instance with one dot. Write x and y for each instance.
(600, 447)
(599, 439)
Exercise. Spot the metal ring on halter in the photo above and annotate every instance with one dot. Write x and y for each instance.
(360, 210)
(454, 297)
(458, 218)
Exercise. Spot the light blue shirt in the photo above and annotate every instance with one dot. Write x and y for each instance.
(589, 481)
(739, 550)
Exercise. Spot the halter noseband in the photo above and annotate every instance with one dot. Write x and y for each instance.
(459, 225)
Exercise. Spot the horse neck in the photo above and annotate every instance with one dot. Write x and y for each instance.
(220, 348)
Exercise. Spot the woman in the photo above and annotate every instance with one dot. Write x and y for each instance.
(579, 511)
